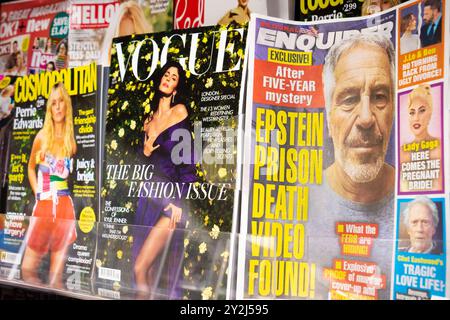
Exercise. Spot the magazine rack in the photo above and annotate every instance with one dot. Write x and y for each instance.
(208, 269)
(204, 269)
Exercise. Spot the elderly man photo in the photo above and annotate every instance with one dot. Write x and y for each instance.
(359, 96)
(421, 219)
(358, 184)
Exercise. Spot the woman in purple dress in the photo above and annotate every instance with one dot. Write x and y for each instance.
(166, 217)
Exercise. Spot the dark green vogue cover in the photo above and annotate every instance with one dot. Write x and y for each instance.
(169, 170)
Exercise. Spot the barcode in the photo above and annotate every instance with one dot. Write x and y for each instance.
(9, 257)
(109, 274)
(108, 293)
(8, 272)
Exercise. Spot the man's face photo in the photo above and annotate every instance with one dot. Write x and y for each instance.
(15, 46)
(420, 227)
(427, 15)
(361, 112)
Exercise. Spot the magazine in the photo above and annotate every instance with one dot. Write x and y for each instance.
(169, 175)
(197, 13)
(88, 24)
(49, 228)
(6, 119)
(307, 10)
(335, 146)
(33, 36)
(93, 25)
(422, 202)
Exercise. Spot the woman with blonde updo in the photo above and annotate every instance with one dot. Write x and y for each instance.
(420, 110)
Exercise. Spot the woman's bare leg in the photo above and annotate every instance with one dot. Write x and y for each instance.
(155, 242)
(30, 266)
(57, 262)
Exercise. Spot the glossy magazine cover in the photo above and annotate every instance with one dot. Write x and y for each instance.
(93, 25)
(49, 228)
(344, 168)
(169, 174)
(315, 10)
(198, 13)
(420, 264)
(319, 160)
(6, 120)
(33, 36)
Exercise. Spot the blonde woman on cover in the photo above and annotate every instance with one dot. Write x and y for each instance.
(52, 228)
(373, 6)
(420, 110)
(129, 19)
